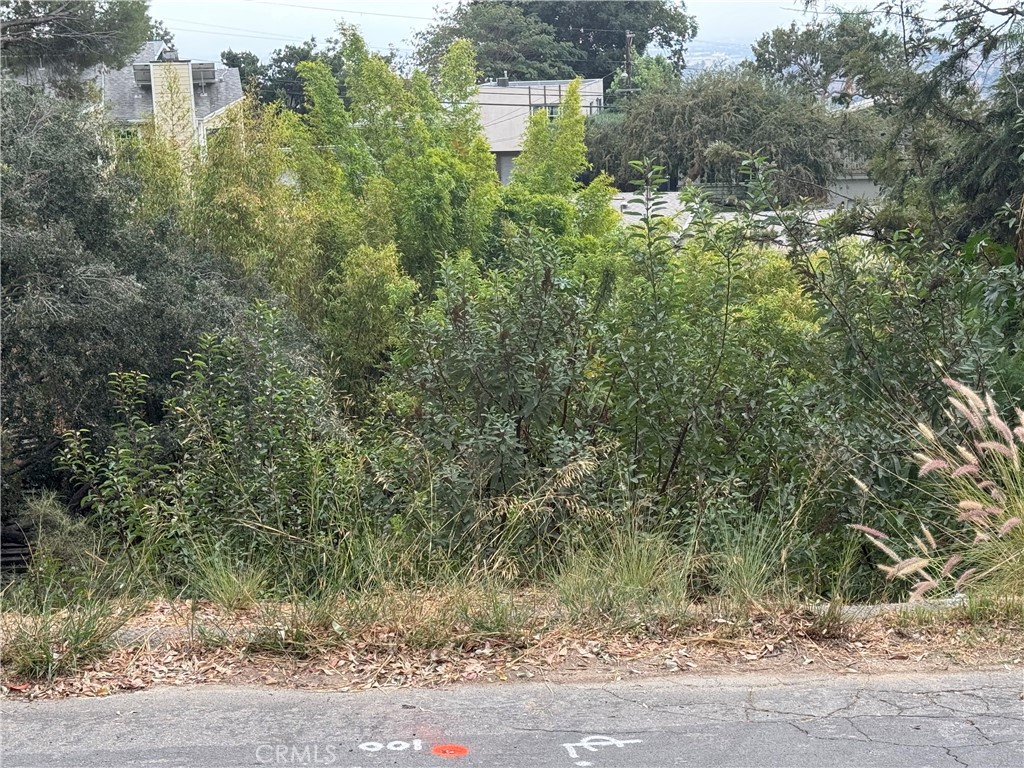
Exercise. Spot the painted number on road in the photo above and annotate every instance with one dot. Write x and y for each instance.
(416, 745)
(394, 746)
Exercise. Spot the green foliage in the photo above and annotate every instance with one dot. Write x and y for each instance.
(943, 89)
(554, 154)
(86, 290)
(702, 129)
(596, 29)
(496, 365)
(510, 381)
(279, 80)
(846, 56)
(506, 40)
(330, 123)
(493, 383)
(555, 40)
(250, 456)
(243, 207)
(706, 344)
(365, 311)
(595, 216)
(650, 73)
(128, 481)
(66, 38)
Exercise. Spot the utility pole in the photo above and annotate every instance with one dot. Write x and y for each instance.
(629, 64)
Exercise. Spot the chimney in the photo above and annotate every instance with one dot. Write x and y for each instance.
(503, 80)
(168, 54)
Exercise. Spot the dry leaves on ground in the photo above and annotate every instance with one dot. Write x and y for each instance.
(173, 644)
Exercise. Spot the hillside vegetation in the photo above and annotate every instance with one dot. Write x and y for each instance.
(329, 356)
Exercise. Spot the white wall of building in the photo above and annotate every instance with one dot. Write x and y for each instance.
(505, 109)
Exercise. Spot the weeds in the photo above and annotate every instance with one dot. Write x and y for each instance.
(748, 563)
(49, 643)
(980, 483)
(229, 583)
(636, 577)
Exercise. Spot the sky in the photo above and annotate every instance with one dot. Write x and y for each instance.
(204, 28)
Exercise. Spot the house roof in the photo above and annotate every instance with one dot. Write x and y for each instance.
(128, 101)
(537, 83)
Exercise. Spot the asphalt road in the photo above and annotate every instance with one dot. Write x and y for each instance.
(964, 719)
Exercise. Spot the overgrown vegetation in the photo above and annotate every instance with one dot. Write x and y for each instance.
(329, 361)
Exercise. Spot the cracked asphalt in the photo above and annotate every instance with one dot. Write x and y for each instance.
(951, 719)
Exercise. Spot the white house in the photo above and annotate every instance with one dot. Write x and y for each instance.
(506, 106)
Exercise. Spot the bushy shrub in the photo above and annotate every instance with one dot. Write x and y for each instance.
(706, 356)
(251, 456)
(493, 382)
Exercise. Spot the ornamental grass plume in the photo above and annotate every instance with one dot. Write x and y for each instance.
(979, 481)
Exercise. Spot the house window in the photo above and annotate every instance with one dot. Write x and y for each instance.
(552, 110)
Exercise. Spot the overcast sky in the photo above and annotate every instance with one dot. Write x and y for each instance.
(204, 28)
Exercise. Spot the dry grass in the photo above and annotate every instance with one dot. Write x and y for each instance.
(416, 638)
(979, 548)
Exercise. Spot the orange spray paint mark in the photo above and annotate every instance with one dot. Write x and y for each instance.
(449, 750)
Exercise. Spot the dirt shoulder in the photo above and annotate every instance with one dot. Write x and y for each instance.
(175, 643)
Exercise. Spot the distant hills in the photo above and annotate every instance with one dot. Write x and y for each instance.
(707, 54)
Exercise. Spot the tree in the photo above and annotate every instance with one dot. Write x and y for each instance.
(251, 72)
(553, 153)
(159, 31)
(555, 40)
(507, 41)
(844, 57)
(649, 73)
(702, 129)
(278, 79)
(66, 37)
(598, 29)
(970, 56)
(88, 289)
(945, 82)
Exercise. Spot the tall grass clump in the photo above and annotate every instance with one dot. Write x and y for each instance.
(66, 609)
(974, 471)
(632, 577)
(748, 561)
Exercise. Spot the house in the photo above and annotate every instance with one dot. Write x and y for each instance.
(506, 106)
(186, 99)
(853, 182)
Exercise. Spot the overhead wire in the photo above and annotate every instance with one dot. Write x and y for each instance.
(253, 33)
(518, 115)
(342, 10)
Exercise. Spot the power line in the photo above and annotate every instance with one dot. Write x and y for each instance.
(250, 33)
(274, 38)
(342, 10)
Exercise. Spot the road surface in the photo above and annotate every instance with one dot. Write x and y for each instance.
(961, 719)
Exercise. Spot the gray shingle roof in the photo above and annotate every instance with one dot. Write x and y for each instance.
(127, 101)
(226, 90)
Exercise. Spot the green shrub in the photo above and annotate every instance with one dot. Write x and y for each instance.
(251, 456)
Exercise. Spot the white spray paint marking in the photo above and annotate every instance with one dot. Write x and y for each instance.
(593, 743)
(394, 746)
